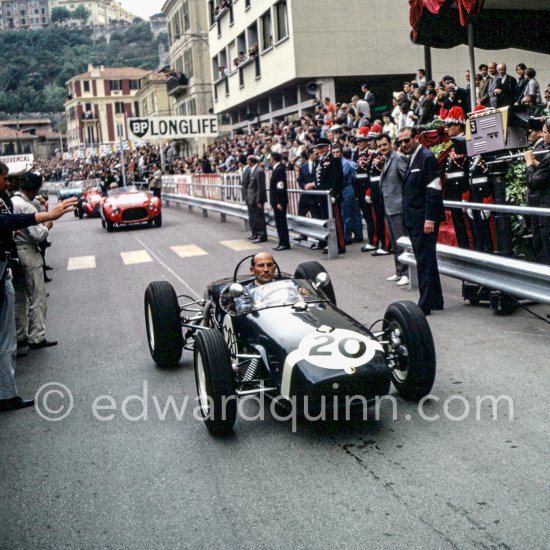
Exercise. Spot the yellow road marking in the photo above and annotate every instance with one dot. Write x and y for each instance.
(188, 250)
(136, 257)
(240, 244)
(81, 262)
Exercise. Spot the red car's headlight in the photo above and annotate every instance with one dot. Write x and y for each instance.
(115, 211)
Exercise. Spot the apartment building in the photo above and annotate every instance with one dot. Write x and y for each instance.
(98, 104)
(24, 14)
(264, 53)
(102, 12)
(190, 84)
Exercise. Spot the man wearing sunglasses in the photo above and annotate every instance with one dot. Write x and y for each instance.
(422, 211)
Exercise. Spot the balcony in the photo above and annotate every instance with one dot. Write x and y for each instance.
(88, 115)
(177, 84)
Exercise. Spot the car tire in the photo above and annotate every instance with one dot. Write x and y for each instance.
(109, 225)
(80, 213)
(310, 270)
(414, 374)
(158, 221)
(215, 382)
(163, 324)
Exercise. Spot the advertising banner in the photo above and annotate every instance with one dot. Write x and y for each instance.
(173, 127)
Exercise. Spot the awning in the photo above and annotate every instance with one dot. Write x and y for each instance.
(498, 24)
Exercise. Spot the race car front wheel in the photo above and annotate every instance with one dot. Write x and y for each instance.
(309, 271)
(411, 347)
(163, 324)
(158, 221)
(215, 383)
(110, 226)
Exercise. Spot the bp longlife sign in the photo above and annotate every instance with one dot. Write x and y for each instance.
(173, 127)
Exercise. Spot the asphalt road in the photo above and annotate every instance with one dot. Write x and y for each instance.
(403, 482)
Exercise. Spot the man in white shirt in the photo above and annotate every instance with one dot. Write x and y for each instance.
(30, 290)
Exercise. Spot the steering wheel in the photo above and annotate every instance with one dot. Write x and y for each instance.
(277, 276)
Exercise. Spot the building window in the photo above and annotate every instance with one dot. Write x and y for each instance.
(267, 37)
(192, 108)
(119, 107)
(282, 24)
(185, 16)
(135, 85)
(86, 85)
(188, 62)
(116, 85)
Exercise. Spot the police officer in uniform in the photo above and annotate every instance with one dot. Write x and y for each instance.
(457, 172)
(9, 222)
(363, 157)
(330, 177)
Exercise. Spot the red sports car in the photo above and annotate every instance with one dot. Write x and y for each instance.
(127, 205)
(89, 203)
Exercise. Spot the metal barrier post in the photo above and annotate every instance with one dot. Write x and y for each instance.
(331, 227)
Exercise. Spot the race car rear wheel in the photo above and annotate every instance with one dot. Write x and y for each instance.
(158, 220)
(310, 270)
(412, 347)
(80, 213)
(163, 324)
(215, 383)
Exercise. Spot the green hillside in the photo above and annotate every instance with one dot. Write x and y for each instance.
(35, 65)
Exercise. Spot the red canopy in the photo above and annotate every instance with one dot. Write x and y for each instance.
(465, 8)
(498, 24)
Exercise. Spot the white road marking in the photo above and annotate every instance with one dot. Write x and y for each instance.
(81, 262)
(188, 250)
(240, 245)
(136, 257)
(169, 269)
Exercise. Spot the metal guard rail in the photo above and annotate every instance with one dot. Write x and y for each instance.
(311, 227)
(515, 277)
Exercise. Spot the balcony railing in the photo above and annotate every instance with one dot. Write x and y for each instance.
(177, 84)
(88, 115)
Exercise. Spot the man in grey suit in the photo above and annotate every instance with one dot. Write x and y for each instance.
(256, 199)
(245, 182)
(391, 183)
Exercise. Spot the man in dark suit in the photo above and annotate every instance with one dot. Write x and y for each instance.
(538, 181)
(422, 211)
(504, 92)
(256, 198)
(391, 183)
(278, 197)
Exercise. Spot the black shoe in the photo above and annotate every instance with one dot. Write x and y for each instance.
(48, 267)
(14, 403)
(426, 310)
(368, 248)
(44, 344)
(22, 348)
(281, 247)
(47, 279)
(252, 237)
(260, 240)
(437, 308)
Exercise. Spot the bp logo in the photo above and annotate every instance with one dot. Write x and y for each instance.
(139, 127)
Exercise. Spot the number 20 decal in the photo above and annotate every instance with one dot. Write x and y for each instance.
(342, 346)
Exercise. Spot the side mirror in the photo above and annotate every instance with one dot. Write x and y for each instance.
(236, 290)
(322, 280)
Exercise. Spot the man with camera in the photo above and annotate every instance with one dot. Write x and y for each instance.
(9, 222)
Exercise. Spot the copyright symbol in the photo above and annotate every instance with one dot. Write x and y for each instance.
(53, 401)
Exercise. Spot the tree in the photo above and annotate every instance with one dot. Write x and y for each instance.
(81, 13)
(59, 15)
